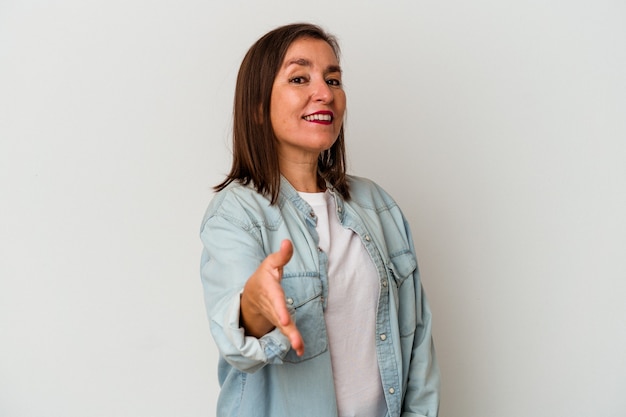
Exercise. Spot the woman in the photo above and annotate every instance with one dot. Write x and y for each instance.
(310, 277)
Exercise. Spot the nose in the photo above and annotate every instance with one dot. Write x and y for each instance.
(322, 92)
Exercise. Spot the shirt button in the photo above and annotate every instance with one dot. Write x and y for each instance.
(290, 301)
(339, 209)
(312, 214)
(383, 337)
(384, 283)
(391, 390)
(367, 237)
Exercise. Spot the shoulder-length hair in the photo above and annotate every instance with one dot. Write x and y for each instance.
(255, 151)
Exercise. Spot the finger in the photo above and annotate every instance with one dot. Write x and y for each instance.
(295, 338)
(288, 327)
(280, 309)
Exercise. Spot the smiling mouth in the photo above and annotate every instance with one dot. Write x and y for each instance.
(321, 117)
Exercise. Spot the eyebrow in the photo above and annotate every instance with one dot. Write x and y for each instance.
(303, 62)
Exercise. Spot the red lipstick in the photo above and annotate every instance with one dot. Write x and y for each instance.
(324, 117)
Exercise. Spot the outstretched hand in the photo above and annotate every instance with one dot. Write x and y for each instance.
(263, 306)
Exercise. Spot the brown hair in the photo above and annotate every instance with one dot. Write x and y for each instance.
(255, 156)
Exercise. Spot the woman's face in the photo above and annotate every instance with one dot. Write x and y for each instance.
(308, 101)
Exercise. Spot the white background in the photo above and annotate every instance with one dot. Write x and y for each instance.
(499, 126)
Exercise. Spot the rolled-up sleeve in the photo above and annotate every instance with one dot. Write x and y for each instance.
(231, 255)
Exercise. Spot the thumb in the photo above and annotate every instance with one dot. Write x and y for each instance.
(282, 256)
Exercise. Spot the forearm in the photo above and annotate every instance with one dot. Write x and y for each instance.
(244, 352)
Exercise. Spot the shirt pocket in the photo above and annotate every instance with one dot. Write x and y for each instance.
(402, 267)
(303, 295)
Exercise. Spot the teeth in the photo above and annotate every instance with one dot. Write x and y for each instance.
(324, 117)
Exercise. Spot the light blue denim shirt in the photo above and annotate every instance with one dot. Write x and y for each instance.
(263, 376)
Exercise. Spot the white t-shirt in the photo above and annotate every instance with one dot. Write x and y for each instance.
(353, 290)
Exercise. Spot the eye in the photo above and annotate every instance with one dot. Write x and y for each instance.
(298, 80)
(334, 82)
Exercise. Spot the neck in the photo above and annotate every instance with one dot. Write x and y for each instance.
(302, 176)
